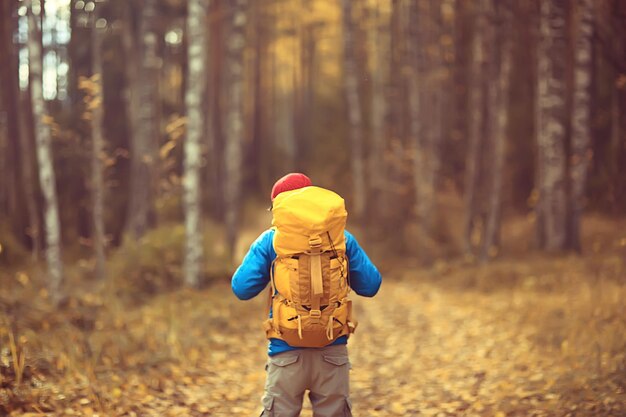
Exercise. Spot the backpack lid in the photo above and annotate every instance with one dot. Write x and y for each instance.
(305, 213)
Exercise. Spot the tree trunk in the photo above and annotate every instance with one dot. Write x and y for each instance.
(396, 117)
(285, 139)
(214, 128)
(306, 108)
(5, 100)
(618, 149)
(234, 122)
(551, 116)
(45, 159)
(378, 40)
(196, 86)
(498, 93)
(259, 164)
(10, 161)
(29, 174)
(432, 116)
(143, 80)
(78, 50)
(419, 140)
(97, 148)
(354, 111)
(581, 134)
(5, 168)
(618, 108)
(475, 129)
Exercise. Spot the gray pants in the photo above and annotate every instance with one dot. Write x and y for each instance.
(324, 372)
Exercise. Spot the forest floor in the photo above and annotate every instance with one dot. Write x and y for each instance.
(537, 336)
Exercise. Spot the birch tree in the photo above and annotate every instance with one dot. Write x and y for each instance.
(234, 121)
(97, 145)
(196, 84)
(581, 122)
(44, 157)
(354, 111)
(551, 208)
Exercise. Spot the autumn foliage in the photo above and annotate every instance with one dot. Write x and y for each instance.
(523, 336)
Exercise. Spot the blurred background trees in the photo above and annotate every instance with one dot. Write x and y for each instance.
(438, 121)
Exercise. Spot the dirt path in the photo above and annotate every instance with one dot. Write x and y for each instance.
(419, 350)
(447, 353)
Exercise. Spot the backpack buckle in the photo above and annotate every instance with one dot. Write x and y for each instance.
(315, 314)
(315, 242)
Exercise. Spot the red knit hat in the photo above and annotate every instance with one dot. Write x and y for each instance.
(290, 182)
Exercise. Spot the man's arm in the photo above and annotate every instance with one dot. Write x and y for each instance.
(252, 275)
(365, 279)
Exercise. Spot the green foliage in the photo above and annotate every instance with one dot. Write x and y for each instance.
(154, 264)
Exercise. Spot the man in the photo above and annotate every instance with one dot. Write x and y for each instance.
(291, 370)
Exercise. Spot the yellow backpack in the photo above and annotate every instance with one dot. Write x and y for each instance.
(309, 277)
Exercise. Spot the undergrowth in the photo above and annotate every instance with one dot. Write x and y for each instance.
(141, 318)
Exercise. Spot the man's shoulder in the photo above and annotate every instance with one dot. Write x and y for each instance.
(350, 239)
(265, 241)
(268, 234)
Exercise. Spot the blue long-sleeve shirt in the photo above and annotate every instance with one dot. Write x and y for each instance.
(253, 275)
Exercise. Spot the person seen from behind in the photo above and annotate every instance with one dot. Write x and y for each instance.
(311, 264)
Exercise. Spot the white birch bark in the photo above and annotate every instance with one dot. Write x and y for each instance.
(551, 111)
(196, 84)
(45, 160)
(581, 112)
(354, 111)
(97, 150)
(234, 121)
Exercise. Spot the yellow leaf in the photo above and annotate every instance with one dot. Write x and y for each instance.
(166, 149)
(23, 278)
(398, 409)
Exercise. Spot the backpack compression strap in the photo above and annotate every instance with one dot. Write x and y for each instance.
(317, 283)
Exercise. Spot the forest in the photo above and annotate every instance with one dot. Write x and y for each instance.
(480, 147)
